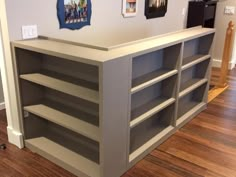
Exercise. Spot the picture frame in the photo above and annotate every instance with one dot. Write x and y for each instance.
(155, 8)
(74, 14)
(129, 8)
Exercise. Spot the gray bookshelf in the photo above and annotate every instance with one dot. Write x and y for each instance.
(79, 103)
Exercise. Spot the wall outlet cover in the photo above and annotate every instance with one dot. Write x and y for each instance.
(230, 10)
(29, 31)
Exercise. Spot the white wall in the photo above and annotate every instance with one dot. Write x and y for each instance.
(107, 23)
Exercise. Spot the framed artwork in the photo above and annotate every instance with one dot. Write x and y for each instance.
(74, 14)
(155, 8)
(129, 8)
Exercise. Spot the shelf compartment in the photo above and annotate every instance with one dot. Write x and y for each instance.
(67, 121)
(194, 77)
(196, 49)
(151, 78)
(193, 60)
(150, 143)
(62, 86)
(63, 157)
(152, 99)
(85, 111)
(194, 109)
(153, 128)
(161, 104)
(191, 85)
(192, 101)
(34, 62)
(35, 127)
(156, 66)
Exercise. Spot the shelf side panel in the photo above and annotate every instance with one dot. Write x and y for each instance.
(115, 85)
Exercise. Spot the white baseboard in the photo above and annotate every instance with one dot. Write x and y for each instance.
(15, 137)
(217, 64)
(2, 106)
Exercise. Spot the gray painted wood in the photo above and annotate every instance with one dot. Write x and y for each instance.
(152, 127)
(146, 90)
(64, 157)
(62, 86)
(114, 121)
(65, 120)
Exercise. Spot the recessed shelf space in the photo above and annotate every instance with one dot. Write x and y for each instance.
(194, 77)
(191, 103)
(61, 109)
(196, 50)
(62, 146)
(73, 78)
(62, 86)
(59, 154)
(156, 66)
(64, 120)
(152, 99)
(193, 60)
(150, 131)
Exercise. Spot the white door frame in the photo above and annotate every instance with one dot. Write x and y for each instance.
(6, 66)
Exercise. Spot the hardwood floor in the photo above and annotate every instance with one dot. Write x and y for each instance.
(205, 147)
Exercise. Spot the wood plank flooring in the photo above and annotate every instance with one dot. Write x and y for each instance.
(205, 147)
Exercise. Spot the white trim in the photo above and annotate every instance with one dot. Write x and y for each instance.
(2, 105)
(9, 84)
(15, 137)
(217, 64)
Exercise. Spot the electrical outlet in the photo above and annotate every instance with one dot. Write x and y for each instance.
(230, 10)
(29, 32)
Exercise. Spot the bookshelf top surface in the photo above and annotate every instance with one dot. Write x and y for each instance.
(97, 52)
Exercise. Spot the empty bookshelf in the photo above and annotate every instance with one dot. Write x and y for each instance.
(97, 110)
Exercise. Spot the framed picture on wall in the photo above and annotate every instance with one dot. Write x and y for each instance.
(74, 14)
(129, 8)
(155, 8)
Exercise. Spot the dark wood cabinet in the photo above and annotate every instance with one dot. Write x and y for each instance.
(201, 13)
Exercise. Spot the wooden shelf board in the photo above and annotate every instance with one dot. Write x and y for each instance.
(135, 113)
(151, 78)
(160, 104)
(190, 109)
(92, 83)
(62, 86)
(150, 143)
(191, 85)
(63, 157)
(65, 120)
(193, 60)
(89, 116)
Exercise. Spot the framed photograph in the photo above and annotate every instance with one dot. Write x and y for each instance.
(129, 8)
(155, 8)
(74, 14)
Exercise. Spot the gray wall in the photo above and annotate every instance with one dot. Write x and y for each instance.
(221, 25)
(106, 23)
